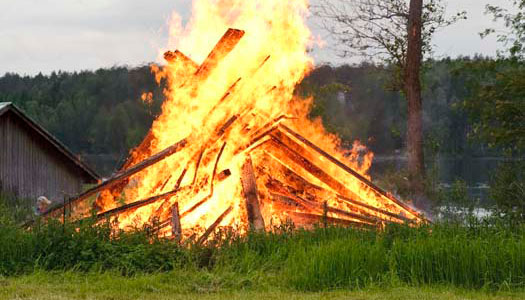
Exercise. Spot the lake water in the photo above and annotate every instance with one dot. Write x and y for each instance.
(475, 172)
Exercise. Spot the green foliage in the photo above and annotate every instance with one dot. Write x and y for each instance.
(514, 20)
(92, 112)
(507, 188)
(84, 248)
(496, 105)
(455, 204)
(13, 210)
(477, 254)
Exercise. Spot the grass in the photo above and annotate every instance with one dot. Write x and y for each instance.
(205, 285)
(92, 262)
(477, 256)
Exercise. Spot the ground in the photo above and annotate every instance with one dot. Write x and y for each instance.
(70, 285)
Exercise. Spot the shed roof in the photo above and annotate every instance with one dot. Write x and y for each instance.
(8, 106)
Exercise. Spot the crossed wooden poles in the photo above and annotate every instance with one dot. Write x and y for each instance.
(296, 157)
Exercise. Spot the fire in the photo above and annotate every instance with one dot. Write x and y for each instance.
(234, 144)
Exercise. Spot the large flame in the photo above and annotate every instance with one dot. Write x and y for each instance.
(249, 86)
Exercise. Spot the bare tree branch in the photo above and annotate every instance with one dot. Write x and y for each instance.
(377, 29)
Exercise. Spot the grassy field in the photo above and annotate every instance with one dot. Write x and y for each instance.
(204, 285)
(476, 260)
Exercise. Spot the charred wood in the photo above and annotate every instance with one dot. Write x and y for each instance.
(249, 187)
(224, 174)
(349, 170)
(300, 218)
(280, 151)
(176, 228)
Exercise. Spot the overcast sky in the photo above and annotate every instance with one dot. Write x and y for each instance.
(47, 35)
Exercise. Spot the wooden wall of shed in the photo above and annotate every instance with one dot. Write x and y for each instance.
(30, 167)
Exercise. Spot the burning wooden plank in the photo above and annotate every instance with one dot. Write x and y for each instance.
(176, 228)
(166, 201)
(301, 183)
(318, 207)
(306, 219)
(212, 227)
(121, 176)
(249, 188)
(225, 45)
(347, 169)
(293, 149)
(180, 58)
(212, 182)
(135, 205)
(283, 154)
(143, 150)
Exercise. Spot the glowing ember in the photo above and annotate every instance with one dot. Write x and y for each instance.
(233, 145)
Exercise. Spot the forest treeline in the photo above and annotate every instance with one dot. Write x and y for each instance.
(100, 113)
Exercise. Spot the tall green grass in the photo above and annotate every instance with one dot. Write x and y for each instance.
(479, 254)
(442, 254)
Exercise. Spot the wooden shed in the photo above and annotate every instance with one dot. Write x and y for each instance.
(34, 163)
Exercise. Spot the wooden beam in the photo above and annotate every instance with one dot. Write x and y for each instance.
(305, 185)
(300, 218)
(179, 57)
(162, 206)
(318, 207)
(143, 149)
(208, 197)
(122, 175)
(310, 187)
(375, 209)
(212, 227)
(286, 203)
(224, 174)
(176, 228)
(259, 135)
(279, 151)
(197, 165)
(135, 205)
(249, 188)
(225, 45)
(349, 170)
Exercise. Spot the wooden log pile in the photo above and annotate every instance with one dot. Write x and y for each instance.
(283, 176)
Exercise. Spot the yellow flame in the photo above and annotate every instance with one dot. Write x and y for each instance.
(255, 82)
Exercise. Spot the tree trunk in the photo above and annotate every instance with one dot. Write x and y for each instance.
(416, 168)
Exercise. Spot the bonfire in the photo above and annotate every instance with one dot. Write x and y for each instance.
(234, 147)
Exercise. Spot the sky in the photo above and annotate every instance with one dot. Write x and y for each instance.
(73, 35)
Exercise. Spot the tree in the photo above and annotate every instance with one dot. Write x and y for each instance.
(497, 108)
(515, 22)
(412, 88)
(399, 35)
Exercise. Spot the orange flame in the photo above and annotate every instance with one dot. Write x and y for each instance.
(218, 103)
